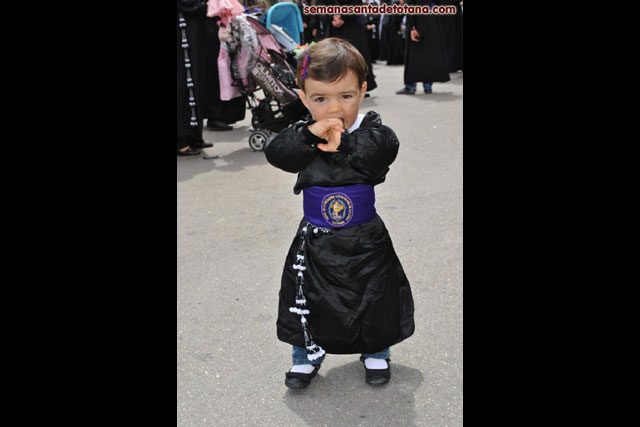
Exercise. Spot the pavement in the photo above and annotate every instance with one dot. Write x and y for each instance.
(237, 216)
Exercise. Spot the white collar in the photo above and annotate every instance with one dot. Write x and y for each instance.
(356, 125)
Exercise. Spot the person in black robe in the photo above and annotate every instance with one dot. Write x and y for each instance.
(307, 35)
(219, 113)
(190, 63)
(319, 23)
(346, 279)
(372, 21)
(425, 58)
(395, 34)
(451, 35)
(459, 21)
(352, 29)
(383, 42)
(383, 37)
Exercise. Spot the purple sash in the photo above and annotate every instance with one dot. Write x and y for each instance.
(337, 207)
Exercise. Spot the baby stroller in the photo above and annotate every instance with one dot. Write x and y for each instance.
(259, 62)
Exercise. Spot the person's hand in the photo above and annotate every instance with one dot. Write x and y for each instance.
(333, 141)
(369, 27)
(304, 25)
(415, 36)
(314, 32)
(330, 130)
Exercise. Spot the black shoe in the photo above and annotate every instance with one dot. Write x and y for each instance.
(191, 151)
(203, 144)
(428, 91)
(300, 380)
(366, 95)
(405, 91)
(377, 376)
(218, 125)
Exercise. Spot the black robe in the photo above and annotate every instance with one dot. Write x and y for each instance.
(319, 22)
(357, 293)
(354, 31)
(424, 61)
(306, 19)
(452, 35)
(397, 42)
(459, 23)
(383, 44)
(372, 35)
(214, 108)
(194, 13)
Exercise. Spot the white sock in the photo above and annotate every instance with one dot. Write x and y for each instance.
(371, 363)
(305, 369)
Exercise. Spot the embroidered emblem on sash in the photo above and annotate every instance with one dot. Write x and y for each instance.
(337, 209)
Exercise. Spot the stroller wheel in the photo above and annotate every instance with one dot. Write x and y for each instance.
(258, 139)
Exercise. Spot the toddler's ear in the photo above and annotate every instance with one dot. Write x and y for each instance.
(303, 98)
(363, 90)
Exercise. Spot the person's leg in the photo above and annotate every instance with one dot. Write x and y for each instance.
(300, 361)
(303, 370)
(382, 354)
(377, 369)
(377, 360)
(409, 89)
(427, 87)
(186, 147)
(217, 125)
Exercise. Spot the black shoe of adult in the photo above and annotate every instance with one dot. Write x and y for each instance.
(191, 151)
(405, 91)
(218, 125)
(377, 376)
(428, 91)
(203, 144)
(300, 380)
(366, 95)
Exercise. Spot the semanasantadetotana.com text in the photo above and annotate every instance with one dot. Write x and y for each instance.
(376, 10)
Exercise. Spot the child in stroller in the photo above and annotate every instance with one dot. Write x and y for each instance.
(259, 62)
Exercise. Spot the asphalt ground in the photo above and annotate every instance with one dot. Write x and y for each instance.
(237, 216)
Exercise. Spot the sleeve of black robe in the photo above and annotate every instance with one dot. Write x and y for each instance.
(371, 150)
(293, 148)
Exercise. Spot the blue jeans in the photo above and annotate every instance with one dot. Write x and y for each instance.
(412, 86)
(300, 356)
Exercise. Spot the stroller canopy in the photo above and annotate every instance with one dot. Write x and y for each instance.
(283, 38)
(287, 16)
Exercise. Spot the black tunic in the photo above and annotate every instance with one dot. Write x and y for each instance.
(425, 61)
(397, 43)
(357, 293)
(194, 13)
(354, 31)
(372, 35)
(452, 35)
(306, 19)
(383, 45)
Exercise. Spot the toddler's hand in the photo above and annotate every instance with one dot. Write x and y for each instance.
(333, 141)
(322, 127)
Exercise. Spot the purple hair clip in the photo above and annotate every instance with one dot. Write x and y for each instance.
(305, 65)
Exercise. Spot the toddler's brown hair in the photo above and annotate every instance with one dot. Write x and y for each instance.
(330, 60)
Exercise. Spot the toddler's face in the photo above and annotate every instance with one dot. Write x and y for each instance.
(340, 99)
